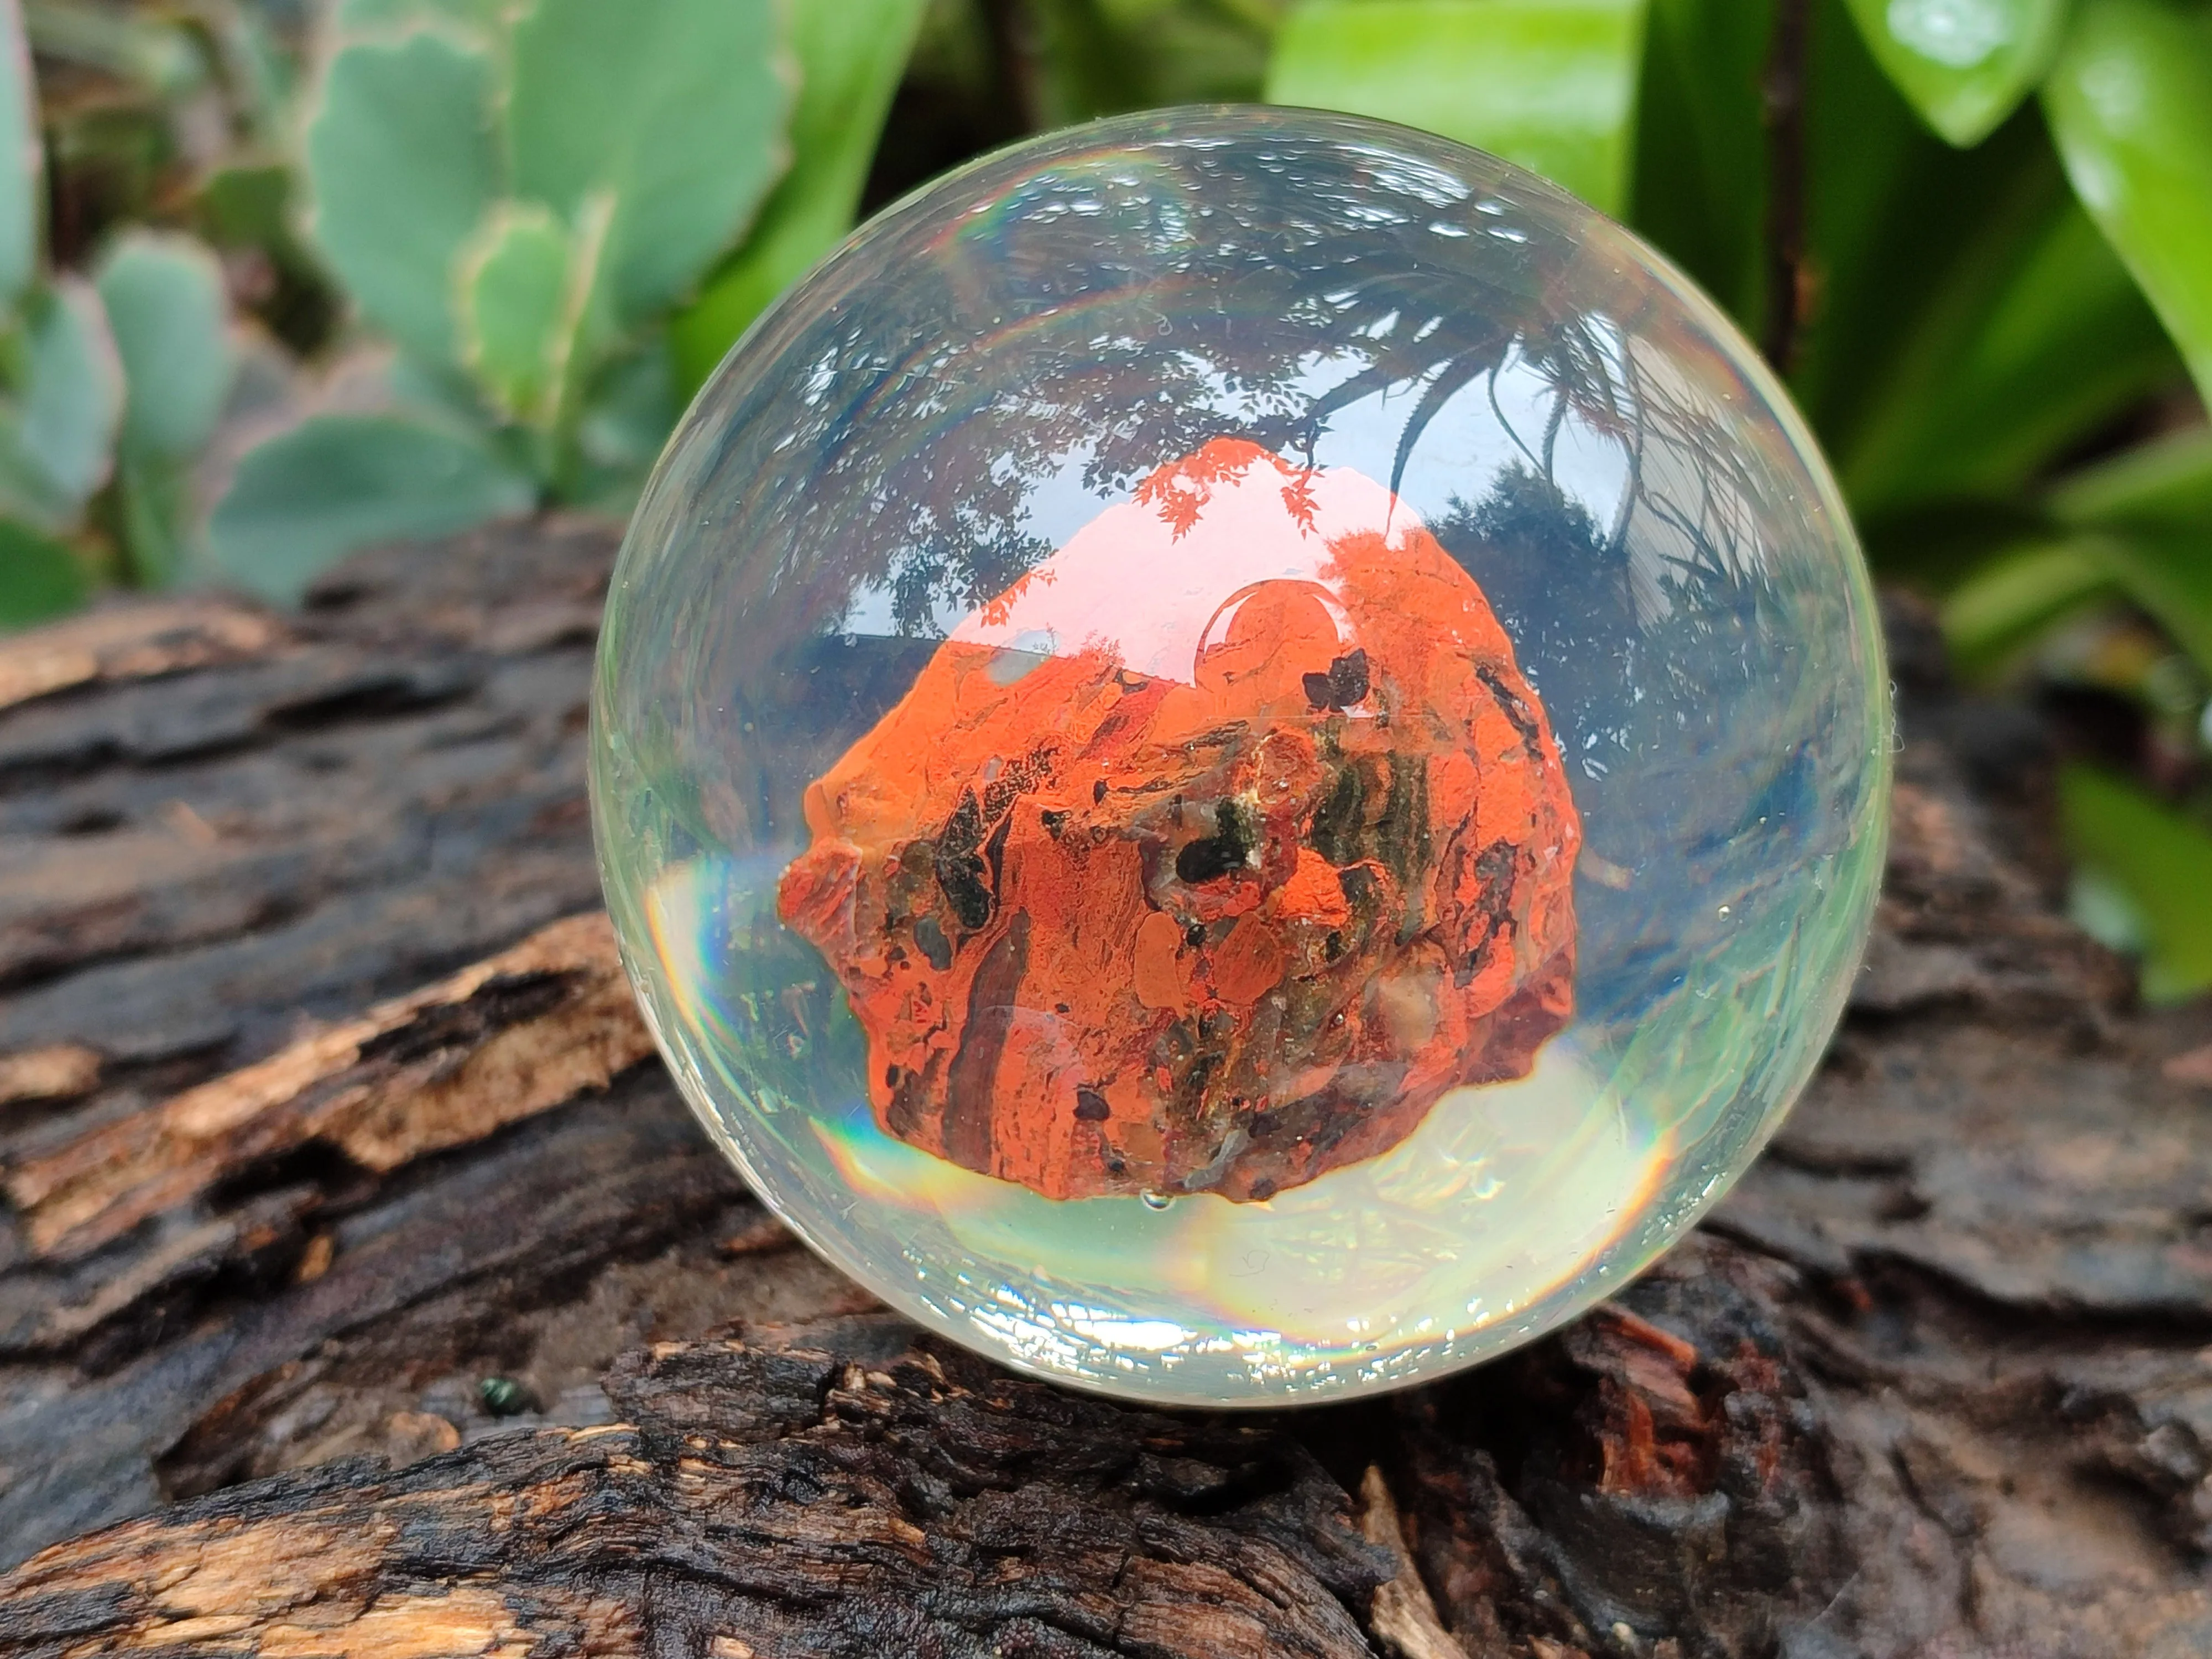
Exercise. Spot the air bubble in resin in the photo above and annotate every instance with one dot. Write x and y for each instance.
(1241, 755)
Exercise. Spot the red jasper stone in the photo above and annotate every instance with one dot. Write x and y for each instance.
(1206, 858)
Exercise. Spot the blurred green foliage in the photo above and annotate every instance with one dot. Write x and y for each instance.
(473, 255)
(108, 387)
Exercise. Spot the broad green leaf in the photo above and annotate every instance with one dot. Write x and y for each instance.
(1963, 65)
(2160, 860)
(674, 109)
(850, 57)
(336, 484)
(2131, 104)
(515, 305)
(1548, 83)
(38, 578)
(58, 431)
(22, 176)
(2033, 335)
(1700, 172)
(2009, 601)
(166, 307)
(402, 161)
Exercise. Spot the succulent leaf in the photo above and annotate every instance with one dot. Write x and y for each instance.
(336, 484)
(851, 53)
(674, 108)
(514, 298)
(167, 311)
(402, 161)
(57, 434)
(22, 173)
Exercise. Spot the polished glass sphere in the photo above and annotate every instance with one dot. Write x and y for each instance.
(1241, 755)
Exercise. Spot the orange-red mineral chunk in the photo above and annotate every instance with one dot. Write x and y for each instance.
(1208, 856)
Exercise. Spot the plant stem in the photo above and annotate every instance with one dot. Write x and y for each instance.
(1785, 101)
(1013, 59)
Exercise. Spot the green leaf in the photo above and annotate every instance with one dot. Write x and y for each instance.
(1963, 65)
(1099, 57)
(1548, 83)
(1962, 327)
(56, 434)
(22, 176)
(154, 517)
(402, 162)
(633, 408)
(2148, 513)
(2033, 335)
(850, 56)
(38, 578)
(2169, 574)
(675, 109)
(1084, 66)
(336, 484)
(1700, 172)
(2164, 485)
(518, 308)
(2139, 525)
(2131, 106)
(2004, 604)
(167, 309)
(2160, 860)
(1887, 207)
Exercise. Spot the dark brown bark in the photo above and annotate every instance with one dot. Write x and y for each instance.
(365, 1288)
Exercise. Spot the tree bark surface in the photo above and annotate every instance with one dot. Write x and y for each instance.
(365, 1288)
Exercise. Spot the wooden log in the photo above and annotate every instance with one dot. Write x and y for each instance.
(364, 1287)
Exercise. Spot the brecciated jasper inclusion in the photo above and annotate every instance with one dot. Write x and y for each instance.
(1207, 856)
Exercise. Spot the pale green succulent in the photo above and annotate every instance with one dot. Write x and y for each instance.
(523, 199)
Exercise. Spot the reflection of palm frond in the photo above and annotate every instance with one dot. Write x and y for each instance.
(1119, 367)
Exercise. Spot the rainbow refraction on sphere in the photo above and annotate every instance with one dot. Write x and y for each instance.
(1241, 755)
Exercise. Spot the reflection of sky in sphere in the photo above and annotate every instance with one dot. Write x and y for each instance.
(995, 364)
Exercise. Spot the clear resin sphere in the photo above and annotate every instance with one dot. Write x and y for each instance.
(1241, 755)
